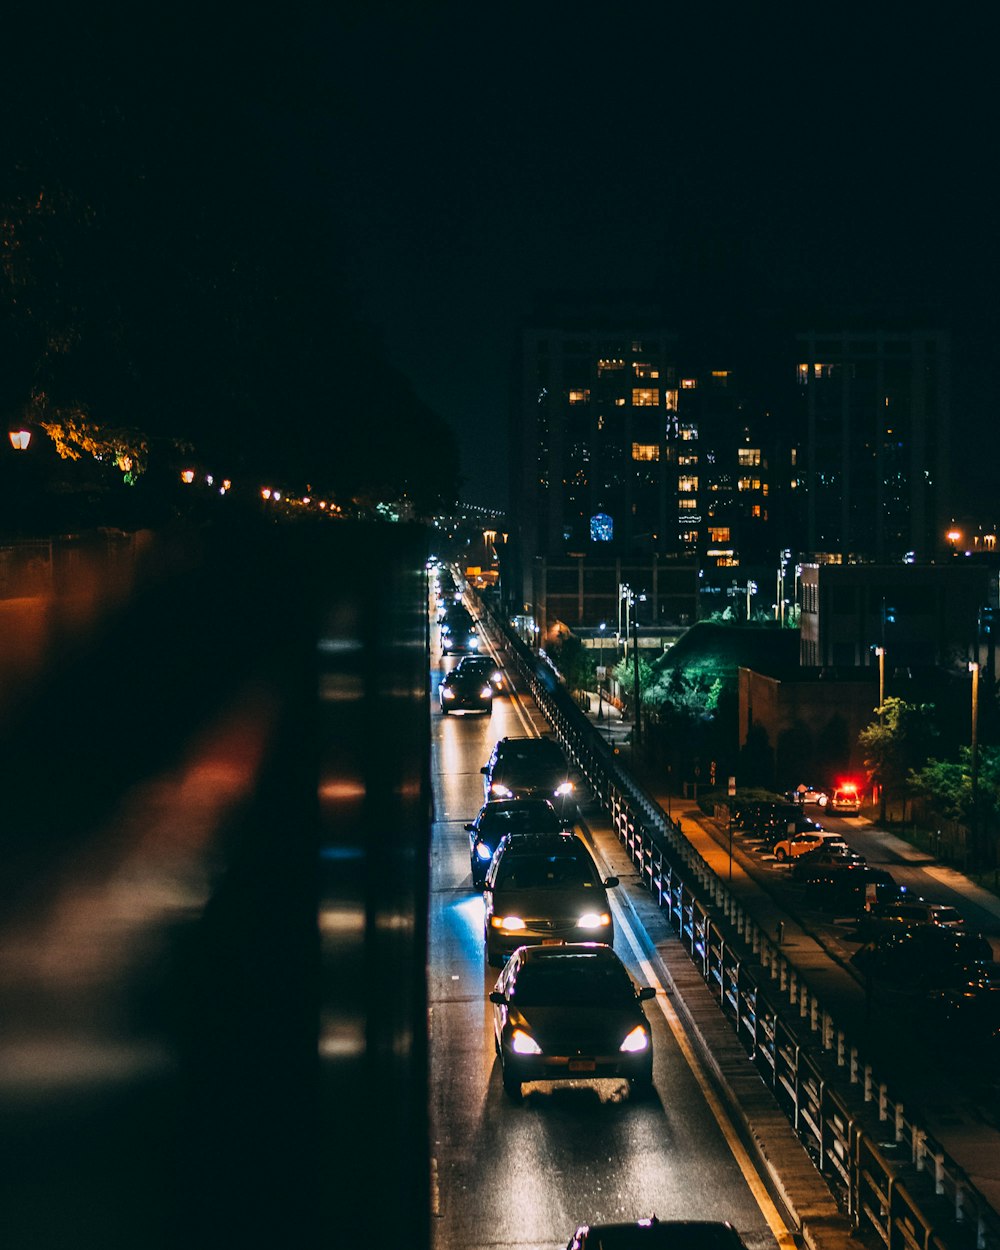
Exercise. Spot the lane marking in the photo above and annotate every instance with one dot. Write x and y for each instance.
(756, 1186)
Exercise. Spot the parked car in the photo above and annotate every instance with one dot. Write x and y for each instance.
(466, 691)
(528, 768)
(850, 889)
(541, 889)
(570, 1011)
(927, 957)
(805, 840)
(906, 911)
(814, 863)
(654, 1234)
(810, 794)
(504, 816)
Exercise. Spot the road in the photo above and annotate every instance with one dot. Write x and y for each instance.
(526, 1175)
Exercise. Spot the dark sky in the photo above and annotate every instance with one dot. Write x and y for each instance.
(483, 155)
(467, 157)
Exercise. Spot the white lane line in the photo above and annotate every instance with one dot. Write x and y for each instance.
(743, 1160)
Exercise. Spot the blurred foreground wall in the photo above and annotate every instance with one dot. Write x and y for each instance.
(213, 844)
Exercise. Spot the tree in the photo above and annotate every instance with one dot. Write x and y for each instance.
(947, 785)
(895, 744)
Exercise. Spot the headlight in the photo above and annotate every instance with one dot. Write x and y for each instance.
(593, 920)
(636, 1041)
(501, 791)
(486, 692)
(447, 692)
(522, 1043)
(509, 924)
(483, 851)
(565, 788)
(473, 642)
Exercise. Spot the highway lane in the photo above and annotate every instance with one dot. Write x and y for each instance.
(527, 1175)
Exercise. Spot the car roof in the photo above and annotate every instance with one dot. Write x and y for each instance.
(542, 843)
(599, 951)
(670, 1234)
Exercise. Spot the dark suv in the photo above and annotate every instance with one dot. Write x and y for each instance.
(544, 889)
(528, 768)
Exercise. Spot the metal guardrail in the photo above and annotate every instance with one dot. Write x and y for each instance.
(888, 1174)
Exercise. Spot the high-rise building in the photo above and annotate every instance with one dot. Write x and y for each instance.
(874, 463)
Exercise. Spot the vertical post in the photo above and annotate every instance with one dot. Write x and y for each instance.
(880, 652)
(637, 725)
(974, 670)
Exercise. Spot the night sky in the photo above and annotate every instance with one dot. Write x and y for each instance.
(466, 159)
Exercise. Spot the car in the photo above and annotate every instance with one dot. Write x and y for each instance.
(486, 667)
(528, 768)
(654, 1234)
(846, 799)
(849, 889)
(503, 816)
(815, 863)
(906, 911)
(810, 794)
(458, 632)
(466, 691)
(542, 889)
(805, 840)
(926, 957)
(568, 1012)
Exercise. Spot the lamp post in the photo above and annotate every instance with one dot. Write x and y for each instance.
(19, 440)
(600, 673)
(751, 590)
(974, 670)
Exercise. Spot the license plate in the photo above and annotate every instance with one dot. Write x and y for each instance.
(582, 1065)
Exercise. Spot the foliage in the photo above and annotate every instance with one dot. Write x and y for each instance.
(897, 743)
(573, 660)
(947, 784)
(681, 694)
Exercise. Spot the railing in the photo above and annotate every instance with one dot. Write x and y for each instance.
(888, 1174)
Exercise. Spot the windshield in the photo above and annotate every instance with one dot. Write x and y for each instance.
(536, 818)
(573, 981)
(544, 872)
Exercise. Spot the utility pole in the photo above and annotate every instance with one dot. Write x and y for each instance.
(974, 670)
(636, 730)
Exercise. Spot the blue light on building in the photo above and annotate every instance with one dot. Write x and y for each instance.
(602, 528)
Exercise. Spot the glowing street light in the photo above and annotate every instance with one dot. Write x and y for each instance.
(187, 476)
(19, 439)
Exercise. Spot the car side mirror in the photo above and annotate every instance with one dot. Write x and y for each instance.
(646, 992)
(470, 828)
(498, 997)
(484, 769)
(610, 882)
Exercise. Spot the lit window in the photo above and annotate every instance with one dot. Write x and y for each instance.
(687, 433)
(620, 401)
(726, 562)
(719, 534)
(687, 483)
(794, 456)
(687, 505)
(764, 489)
(645, 451)
(743, 483)
(600, 420)
(670, 398)
(689, 384)
(579, 397)
(756, 510)
(609, 366)
(645, 397)
(689, 536)
(602, 528)
(645, 370)
(748, 456)
(720, 377)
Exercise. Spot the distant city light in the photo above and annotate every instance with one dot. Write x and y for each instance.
(187, 476)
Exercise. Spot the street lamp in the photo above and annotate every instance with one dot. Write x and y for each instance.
(600, 673)
(19, 439)
(751, 590)
(974, 670)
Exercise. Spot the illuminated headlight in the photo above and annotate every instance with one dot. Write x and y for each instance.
(501, 791)
(565, 788)
(509, 924)
(636, 1041)
(483, 851)
(486, 692)
(593, 920)
(522, 1043)
(473, 641)
(447, 692)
